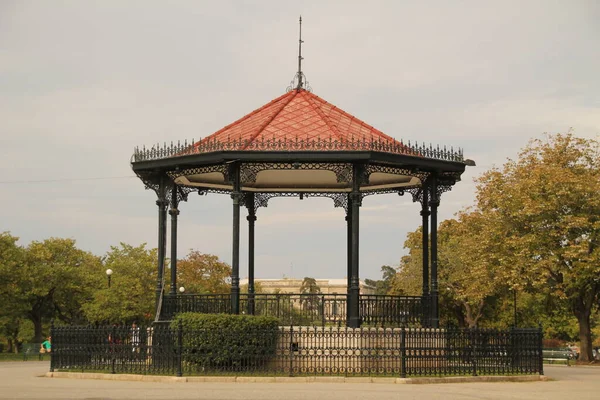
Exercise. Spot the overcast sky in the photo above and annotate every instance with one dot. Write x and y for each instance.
(82, 83)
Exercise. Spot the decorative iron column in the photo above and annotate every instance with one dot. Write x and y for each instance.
(249, 200)
(236, 195)
(435, 202)
(174, 212)
(354, 292)
(425, 244)
(162, 202)
(349, 252)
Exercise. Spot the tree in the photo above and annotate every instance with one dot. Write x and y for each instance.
(382, 286)
(308, 291)
(131, 296)
(546, 209)
(409, 279)
(309, 286)
(258, 288)
(11, 259)
(467, 267)
(54, 281)
(203, 273)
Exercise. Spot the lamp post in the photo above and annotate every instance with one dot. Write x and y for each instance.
(515, 306)
(181, 289)
(108, 274)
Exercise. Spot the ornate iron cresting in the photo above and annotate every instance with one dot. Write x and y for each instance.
(298, 351)
(179, 149)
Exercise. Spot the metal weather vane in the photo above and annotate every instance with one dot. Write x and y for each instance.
(299, 81)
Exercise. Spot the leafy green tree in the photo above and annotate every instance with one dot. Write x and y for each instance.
(203, 273)
(309, 286)
(409, 279)
(11, 259)
(467, 268)
(131, 295)
(54, 281)
(382, 286)
(258, 288)
(547, 212)
(308, 289)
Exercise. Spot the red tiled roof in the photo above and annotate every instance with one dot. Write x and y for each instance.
(297, 115)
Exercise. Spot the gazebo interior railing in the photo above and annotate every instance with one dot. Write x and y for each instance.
(306, 309)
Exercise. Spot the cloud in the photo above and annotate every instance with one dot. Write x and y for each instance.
(83, 83)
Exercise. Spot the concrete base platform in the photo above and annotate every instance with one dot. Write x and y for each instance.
(295, 379)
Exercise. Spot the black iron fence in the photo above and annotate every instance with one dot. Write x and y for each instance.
(305, 309)
(297, 351)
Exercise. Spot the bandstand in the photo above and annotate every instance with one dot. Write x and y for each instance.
(300, 145)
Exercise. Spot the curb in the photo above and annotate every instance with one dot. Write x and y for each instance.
(297, 379)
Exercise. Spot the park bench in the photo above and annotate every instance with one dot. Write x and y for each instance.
(552, 355)
(31, 350)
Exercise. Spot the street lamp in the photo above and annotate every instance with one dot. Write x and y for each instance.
(515, 306)
(108, 274)
(181, 289)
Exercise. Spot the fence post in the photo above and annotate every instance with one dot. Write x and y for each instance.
(52, 350)
(403, 353)
(291, 347)
(474, 339)
(277, 306)
(323, 311)
(179, 347)
(112, 348)
(540, 349)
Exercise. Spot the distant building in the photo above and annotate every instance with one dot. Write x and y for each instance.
(292, 285)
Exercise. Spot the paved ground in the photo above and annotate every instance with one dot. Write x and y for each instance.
(21, 380)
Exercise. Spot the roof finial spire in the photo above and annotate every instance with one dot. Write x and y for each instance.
(299, 82)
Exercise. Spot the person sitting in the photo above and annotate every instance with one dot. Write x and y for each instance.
(46, 346)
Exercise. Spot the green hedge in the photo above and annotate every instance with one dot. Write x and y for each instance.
(225, 340)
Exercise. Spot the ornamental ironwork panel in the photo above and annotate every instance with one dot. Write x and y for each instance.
(249, 171)
(159, 183)
(182, 193)
(390, 169)
(222, 168)
(262, 199)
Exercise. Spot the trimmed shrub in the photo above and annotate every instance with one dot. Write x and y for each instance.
(225, 341)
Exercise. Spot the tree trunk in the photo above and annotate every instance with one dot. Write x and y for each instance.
(472, 317)
(585, 336)
(14, 339)
(458, 312)
(37, 328)
(582, 308)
